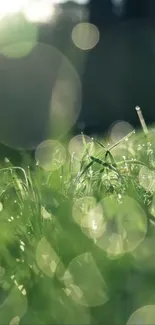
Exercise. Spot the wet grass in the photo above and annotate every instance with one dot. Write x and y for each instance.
(77, 243)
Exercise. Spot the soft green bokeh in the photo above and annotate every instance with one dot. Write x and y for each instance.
(17, 36)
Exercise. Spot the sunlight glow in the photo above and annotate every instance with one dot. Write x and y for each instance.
(9, 7)
(40, 11)
(35, 11)
(17, 36)
(79, 2)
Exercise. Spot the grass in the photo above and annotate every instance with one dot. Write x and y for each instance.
(77, 243)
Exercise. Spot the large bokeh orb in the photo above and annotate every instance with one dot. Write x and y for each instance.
(40, 97)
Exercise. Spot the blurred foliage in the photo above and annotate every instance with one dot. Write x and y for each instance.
(54, 266)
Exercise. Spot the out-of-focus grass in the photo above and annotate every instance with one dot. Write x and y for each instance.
(77, 244)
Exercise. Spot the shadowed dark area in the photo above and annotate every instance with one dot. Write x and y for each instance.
(120, 71)
(117, 75)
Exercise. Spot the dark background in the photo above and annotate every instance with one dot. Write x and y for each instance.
(117, 75)
(120, 71)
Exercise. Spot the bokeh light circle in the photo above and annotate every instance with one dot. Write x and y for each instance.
(15, 321)
(80, 145)
(85, 36)
(14, 306)
(144, 315)
(40, 97)
(46, 258)
(50, 155)
(144, 255)
(65, 310)
(125, 225)
(84, 282)
(123, 150)
(147, 179)
(17, 36)
(88, 214)
(1, 206)
(81, 210)
(152, 206)
(119, 130)
(95, 223)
